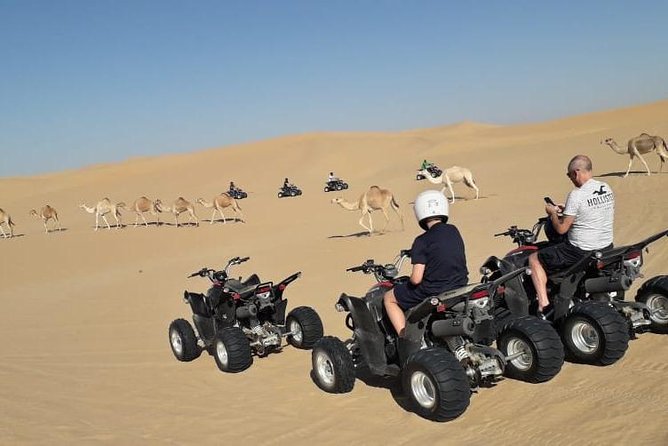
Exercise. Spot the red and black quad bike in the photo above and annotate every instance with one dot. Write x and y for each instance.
(444, 353)
(433, 170)
(236, 319)
(589, 310)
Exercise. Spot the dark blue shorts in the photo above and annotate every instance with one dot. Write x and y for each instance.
(407, 295)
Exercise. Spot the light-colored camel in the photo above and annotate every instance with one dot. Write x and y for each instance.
(47, 213)
(219, 203)
(102, 208)
(638, 145)
(454, 174)
(6, 219)
(373, 199)
(143, 205)
(180, 206)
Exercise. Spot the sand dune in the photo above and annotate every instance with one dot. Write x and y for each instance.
(85, 314)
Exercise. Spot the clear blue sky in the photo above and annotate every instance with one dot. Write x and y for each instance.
(91, 81)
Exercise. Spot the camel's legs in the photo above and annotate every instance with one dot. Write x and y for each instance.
(3, 231)
(144, 218)
(452, 192)
(361, 222)
(136, 219)
(176, 217)
(470, 183)
(97, 220)
(192, 216)
(104, 217)
(46, 230)
(643, 161)
(221, 215)
(401, 217)
(118, 221)
(629, 168)
(387, 219)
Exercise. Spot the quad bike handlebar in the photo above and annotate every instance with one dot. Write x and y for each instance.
(214, 275)
(385, 272)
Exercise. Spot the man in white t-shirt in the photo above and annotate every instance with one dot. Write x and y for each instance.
(587, 217)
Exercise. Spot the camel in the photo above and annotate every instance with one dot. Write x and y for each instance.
(6, 219)
(47, 213)
(219, 203)
(102, 208)
(638, 145)
(373, 199)
(143, 205)
(180, 206)
(454, 174)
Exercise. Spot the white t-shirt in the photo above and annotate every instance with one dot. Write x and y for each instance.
(593, 206)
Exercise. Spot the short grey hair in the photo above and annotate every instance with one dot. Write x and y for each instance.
(580, 162)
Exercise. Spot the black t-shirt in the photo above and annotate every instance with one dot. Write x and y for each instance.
(441, 250)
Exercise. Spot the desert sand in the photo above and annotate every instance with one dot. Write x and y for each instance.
(86, 357)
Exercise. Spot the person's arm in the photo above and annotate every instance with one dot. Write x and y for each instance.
(561, 224)
(417, 273)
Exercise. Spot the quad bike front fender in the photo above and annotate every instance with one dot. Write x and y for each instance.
(371, 341)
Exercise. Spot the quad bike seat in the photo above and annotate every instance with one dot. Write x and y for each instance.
(246, 287)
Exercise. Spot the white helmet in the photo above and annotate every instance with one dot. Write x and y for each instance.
(430, 203)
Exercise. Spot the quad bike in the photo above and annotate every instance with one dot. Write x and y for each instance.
(235, 319)
(237, 193)
(445, 351)
(588, 303)
(289, 191)
(336, 184)
(433, 169)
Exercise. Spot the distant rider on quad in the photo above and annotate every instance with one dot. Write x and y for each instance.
(587, 217)
(233, 187)
(331, 177)
(438, 258)
(425, 165)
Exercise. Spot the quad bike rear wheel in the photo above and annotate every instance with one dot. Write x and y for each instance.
(183, 341)
(231, 350)
(305, 326)
(595, 333)
(332, 366)
(293, 193)
(436, 384)
(654, 294)
(534, 347)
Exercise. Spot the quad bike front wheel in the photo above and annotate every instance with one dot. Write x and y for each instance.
(305, 327)
(345, 185)
(332, 366)
(595, 333)
(280, 195)
(183, 341)
(654, 294)
(533, 347)
(231, 350)
(436, 384)
(326, 189)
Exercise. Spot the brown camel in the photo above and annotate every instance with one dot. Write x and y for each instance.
(47, 213)
(373, 199)
(180, 206)
(6, 219)
(454, 174)
(143, 205)
(102, 208)
(220, 202)
(638, 145)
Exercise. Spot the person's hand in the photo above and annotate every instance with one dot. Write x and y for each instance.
(549, 209)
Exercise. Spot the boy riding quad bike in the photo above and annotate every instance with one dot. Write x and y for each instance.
(335, 184)
(236, 318)
(445, 351)
(589, 309)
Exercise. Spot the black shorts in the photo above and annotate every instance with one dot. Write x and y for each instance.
(560, 256)
(407, 295)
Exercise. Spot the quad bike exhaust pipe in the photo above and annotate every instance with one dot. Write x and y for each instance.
(608, 284)
(453, 327)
